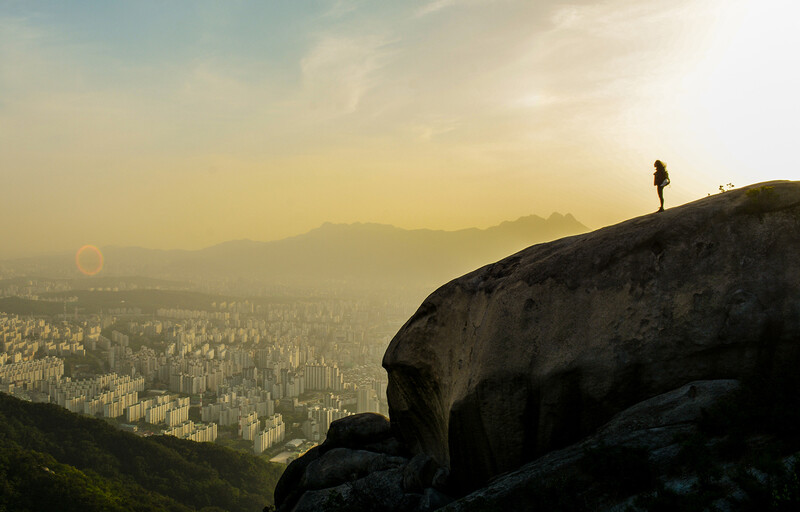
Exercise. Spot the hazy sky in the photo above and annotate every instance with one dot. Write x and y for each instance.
(185, 124)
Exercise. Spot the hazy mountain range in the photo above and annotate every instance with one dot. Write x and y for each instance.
(360, 254)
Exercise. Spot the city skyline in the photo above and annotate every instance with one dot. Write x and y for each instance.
(185, 125)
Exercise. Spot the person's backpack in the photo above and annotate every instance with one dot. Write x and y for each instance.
(664, 182)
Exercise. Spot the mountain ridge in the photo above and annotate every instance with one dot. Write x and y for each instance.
(327, 224)
(356, 254)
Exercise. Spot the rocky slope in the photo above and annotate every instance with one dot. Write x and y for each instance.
(532, 354)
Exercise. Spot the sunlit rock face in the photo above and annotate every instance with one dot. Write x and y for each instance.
(539, 349)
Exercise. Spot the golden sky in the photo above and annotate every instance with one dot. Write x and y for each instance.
(186, 124)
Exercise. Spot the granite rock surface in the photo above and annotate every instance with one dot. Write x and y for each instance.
(538, 350)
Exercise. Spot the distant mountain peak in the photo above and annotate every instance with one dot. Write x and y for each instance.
(554, 217)
(368, 253)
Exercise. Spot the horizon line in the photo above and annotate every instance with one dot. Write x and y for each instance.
(63, 252)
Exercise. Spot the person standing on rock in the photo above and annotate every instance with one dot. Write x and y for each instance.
(661, 180)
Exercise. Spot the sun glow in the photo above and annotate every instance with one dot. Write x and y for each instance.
(434, 114)
(743, 92)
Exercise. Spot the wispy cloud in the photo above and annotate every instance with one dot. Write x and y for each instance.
(23, 64)
(434, 6)
(339, 8)
(339, 70)
(214, 86)
(428, 131)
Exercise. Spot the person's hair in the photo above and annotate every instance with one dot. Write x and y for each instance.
(660, 165)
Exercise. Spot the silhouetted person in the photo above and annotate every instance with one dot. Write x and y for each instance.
(660, 180)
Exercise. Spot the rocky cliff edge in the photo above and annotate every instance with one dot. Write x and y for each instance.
(539, 350)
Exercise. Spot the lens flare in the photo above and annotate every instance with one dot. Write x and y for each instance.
(89, 260)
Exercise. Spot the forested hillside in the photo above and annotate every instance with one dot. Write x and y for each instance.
(51, 459)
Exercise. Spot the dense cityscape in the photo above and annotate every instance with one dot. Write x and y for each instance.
(262, 375)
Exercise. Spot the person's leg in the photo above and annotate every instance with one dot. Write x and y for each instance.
(661, 197)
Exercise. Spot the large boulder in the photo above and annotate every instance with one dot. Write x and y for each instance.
(357, 431)
(649, 429)
(342, 465)
(359, 467)
(538, 350)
